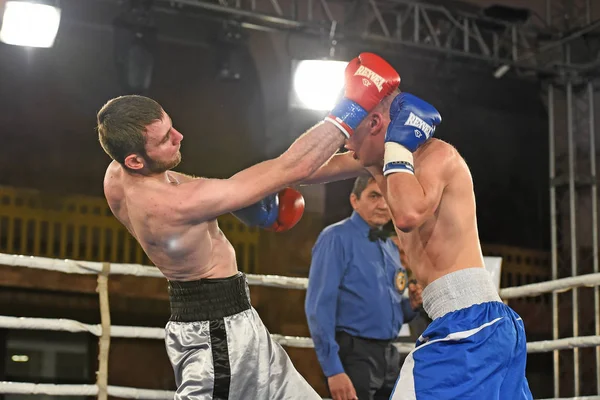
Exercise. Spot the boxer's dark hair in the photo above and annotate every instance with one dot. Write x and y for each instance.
(122, 123)
(360, 185)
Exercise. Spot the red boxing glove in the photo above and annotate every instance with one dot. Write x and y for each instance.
(291, 208)
(277, 212)
(369, 79)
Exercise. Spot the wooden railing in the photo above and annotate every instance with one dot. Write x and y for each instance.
(522, 266)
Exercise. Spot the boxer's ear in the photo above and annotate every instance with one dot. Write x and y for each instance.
(353, 201)
(134, 162)
(376, 121)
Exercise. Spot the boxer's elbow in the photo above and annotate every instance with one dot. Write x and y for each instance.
(408, 220)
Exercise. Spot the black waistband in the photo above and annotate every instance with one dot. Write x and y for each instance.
(382, 342)
(208, 299)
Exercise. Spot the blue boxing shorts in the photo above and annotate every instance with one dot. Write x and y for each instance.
(474, 349)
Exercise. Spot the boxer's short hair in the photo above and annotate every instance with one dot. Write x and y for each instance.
(360, 184)
(122, 123)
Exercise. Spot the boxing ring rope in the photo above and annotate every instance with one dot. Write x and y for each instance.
(285, 282)
(105, 331)
(82, 390)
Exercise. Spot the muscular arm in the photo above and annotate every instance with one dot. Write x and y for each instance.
(414, 198)
(204, 199)
(337, 168)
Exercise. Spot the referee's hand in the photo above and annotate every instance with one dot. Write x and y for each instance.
(341, 387)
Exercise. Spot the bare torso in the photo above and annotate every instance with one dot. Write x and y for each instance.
(182, 250)
(448, 241)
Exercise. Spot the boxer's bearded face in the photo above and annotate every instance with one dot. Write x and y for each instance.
(163, 142)
(159, 166)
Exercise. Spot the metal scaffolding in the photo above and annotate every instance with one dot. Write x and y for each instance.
(573, 192)
(573, 202)
(524, 45)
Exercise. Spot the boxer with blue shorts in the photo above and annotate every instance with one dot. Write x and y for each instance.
(475, 348)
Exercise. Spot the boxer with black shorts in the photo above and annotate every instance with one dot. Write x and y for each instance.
(215, 340)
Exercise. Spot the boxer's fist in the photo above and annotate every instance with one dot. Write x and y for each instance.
(277, 212)
(291, 208)
(412, 123)
(368, 79)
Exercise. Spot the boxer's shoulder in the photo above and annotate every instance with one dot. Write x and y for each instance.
(113, 187)
(439, 147)
(436, 152)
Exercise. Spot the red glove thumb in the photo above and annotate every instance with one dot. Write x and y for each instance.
(291, 208)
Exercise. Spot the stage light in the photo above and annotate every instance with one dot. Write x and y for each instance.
(21, 358)
(317, 83)
(135, 46)
(29, 24)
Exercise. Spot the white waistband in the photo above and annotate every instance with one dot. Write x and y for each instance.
(458, 290)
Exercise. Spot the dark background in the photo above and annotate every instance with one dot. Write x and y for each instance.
(49, 98)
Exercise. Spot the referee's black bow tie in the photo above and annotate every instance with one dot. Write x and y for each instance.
(378, 234)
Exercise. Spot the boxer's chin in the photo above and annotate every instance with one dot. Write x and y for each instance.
(368, 161)
(156, 166)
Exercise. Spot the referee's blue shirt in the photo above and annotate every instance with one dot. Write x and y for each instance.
(351, 288)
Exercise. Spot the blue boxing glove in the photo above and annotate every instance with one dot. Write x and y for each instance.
(412, 123)
(262, 213)
(277, 212)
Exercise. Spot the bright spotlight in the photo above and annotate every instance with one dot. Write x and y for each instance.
(29, 24)
(317, 83)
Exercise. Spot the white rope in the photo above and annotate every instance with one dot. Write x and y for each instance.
(92, 267)
(122, 392)
(563, 344)
(82, 390)
(137, 332)
(133, 393)
(287, 282)
(558, 285)
(293, 341)
(77, 267)
(48, 388)
(575, 398)
(119, 391)
(69, 325)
